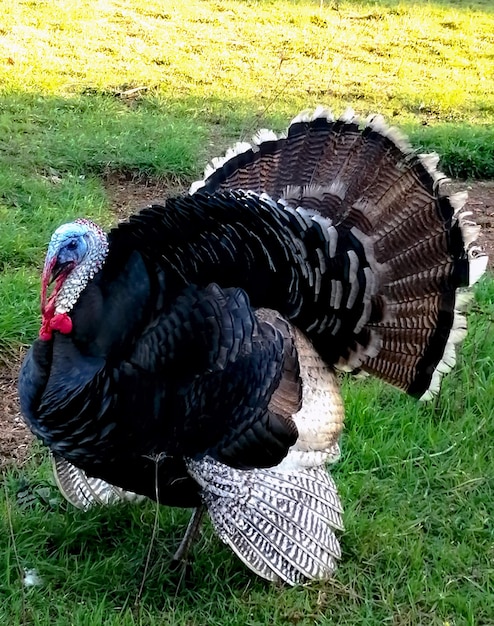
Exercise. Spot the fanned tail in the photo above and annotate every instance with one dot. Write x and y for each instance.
(279, 523)
(414, 249)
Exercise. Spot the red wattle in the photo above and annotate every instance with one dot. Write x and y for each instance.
(62, 323)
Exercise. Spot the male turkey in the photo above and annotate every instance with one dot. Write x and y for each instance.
(190, 354)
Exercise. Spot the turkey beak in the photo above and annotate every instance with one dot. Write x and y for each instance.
(46, 280)
(52, 271)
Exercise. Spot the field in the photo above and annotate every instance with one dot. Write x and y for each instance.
(105, 106)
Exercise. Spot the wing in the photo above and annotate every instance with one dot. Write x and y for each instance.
(281, 521)
(223, 366)
(84, 491)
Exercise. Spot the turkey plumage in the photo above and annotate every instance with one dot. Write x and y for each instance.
(189, 355)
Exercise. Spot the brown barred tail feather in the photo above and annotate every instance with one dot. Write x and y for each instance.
(419, 244)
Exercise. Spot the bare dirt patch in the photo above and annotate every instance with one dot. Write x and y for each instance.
(15, 438)
(127, 196)
(481, 203)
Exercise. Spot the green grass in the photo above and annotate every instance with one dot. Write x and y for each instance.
(468, 148)
(409, 55)
(236, 65)
(416, 479)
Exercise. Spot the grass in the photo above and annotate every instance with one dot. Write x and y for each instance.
(468, 148)
(415, 479)
(237, 65)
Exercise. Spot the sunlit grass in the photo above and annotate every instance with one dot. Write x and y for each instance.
(412, 60)
(207, 73)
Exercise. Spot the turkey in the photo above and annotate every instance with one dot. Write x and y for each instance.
(190, 355)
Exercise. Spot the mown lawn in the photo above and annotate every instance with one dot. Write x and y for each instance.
(154, 89)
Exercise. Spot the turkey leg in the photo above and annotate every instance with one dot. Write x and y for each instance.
(182, 551)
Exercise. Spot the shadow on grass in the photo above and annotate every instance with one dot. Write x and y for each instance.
(50, 141)
(461, 5)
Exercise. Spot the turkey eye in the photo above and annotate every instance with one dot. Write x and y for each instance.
(72, 245)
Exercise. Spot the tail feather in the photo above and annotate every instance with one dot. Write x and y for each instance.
(417, 244)
(280, 524)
